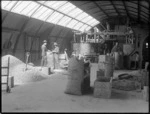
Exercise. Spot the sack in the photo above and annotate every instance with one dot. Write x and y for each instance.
(73, 87)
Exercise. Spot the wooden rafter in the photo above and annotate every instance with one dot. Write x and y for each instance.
(126, 9)
(115, 7)
(60, 12)
(139, 11)
(8, 12)
(21, 31)
(101, 8)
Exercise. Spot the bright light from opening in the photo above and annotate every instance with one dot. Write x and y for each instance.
(146, 45)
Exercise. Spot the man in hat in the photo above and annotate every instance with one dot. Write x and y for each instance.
(55, 55)
(44, 56)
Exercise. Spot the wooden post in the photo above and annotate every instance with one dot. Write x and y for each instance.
(74, 36)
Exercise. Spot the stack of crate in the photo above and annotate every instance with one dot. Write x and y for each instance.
(102, 89)
(105, 66)
(103, 83)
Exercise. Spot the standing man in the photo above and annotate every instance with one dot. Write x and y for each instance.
(44, 55)
(116, 48)
(55, 55)
(137, 59)
(117, 53)
(106, 50)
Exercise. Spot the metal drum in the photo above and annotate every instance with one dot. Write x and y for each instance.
(85, 48)
(82, 48)
(76, 47)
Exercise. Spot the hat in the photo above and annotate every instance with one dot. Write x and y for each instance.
(44, 41)
(55, 43)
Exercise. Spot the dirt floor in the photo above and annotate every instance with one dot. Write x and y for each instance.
(48, 96)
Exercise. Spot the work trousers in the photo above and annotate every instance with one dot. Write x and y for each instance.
(55, 60)
(43, 60)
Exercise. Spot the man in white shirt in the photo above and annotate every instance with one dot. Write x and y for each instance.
(55, 55)
(44, 56)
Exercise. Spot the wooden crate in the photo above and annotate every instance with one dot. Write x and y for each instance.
(105, 85)
(102, 89)
(105, 58)
(102, 93)
(100, 73)
(103, 79)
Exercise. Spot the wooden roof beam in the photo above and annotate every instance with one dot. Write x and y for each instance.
(115, 7)
(101, 9)
(139, 9)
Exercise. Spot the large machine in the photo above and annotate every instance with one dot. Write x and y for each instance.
(88, 43)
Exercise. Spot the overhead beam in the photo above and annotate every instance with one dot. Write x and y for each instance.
(139, 11)
(61, 13)
(109, 33)
(22, 31)
(8, 11)
(115, 7)
(4, 29)
(131, 18)
(124, 4)
(102, 26)
(42, 24)
(101, 8)
(5, 17)
(130, 2)
(140, 4)
(140, 14)
(77, 4)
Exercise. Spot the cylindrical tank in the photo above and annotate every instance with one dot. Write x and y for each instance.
(85, 48)
(82, 48)
(76, 47)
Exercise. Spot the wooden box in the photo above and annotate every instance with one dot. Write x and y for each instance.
(102, 89)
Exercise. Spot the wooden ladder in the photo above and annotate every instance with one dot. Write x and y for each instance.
(8, 89)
